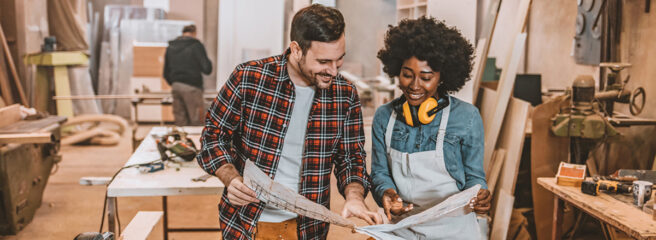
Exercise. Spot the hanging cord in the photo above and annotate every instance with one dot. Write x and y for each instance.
(102, 218)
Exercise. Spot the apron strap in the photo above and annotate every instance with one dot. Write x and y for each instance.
(388, 132)
(443, 123)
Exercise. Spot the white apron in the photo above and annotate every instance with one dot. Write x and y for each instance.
(422, 179)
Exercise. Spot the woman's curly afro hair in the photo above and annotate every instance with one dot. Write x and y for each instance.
(444, 48)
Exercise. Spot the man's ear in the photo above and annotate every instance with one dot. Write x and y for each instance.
(296, 50)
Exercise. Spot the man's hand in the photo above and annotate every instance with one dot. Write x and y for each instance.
(238, 193)
(354, 205)
(482, 201)
(393, 204)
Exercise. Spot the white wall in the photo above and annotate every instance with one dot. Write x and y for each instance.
(248, 30)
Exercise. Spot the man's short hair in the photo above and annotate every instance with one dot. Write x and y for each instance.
(189, 29)
(316, 23)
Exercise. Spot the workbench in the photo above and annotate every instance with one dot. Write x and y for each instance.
(621, 214)
(168, 182)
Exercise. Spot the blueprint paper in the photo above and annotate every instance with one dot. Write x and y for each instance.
(279, 196)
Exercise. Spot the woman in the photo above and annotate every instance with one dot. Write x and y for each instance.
(428, 145)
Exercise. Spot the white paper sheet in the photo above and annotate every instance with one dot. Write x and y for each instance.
(277, 195)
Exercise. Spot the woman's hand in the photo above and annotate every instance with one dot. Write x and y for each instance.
(482, 201)
(393, 204)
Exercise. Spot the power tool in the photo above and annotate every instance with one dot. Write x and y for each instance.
(177, 144)
(592, 187)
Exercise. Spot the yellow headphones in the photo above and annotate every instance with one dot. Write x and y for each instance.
(424, 114)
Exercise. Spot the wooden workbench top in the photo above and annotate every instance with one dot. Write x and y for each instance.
(168, 182)
(624, 216)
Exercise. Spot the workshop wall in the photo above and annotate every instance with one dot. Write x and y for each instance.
(364, 33)
(550, 42)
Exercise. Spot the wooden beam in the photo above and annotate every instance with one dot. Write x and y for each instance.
(12, 67)
(44, 137)
(141, 225)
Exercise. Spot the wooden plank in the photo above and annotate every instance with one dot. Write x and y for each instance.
(493, 127)
(480, 56)
(547, 151)
(44, 137)
(501, 220)
(512, 139)
(499, 158)
(27, 126)
(485, 103)
(5, 86)
(9, 115)
(141, 225)
(606, 208)
(12, 67)
(91, 181)
(148, 61)
(507, 81)
(483, 48)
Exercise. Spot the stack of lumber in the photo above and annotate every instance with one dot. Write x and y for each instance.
(505, 119)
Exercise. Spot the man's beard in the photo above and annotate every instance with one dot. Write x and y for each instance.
(311, 78)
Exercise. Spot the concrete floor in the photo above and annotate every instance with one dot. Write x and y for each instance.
(69, 209)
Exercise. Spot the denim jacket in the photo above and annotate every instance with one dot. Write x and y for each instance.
(463, 145)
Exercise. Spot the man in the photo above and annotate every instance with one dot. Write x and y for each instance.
(296, 118)
(184, 61)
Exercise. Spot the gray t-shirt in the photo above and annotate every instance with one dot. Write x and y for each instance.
(289, 166)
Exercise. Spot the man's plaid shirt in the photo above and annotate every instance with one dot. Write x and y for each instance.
(249, 119)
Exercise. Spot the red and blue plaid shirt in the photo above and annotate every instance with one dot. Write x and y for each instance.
(249, 119)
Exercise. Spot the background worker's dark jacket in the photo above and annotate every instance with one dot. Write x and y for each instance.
(185, 60)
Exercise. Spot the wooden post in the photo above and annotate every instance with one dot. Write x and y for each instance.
(556, 230)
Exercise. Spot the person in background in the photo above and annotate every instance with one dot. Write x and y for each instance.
(184, 61)
(428, 145)
(298, 121)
